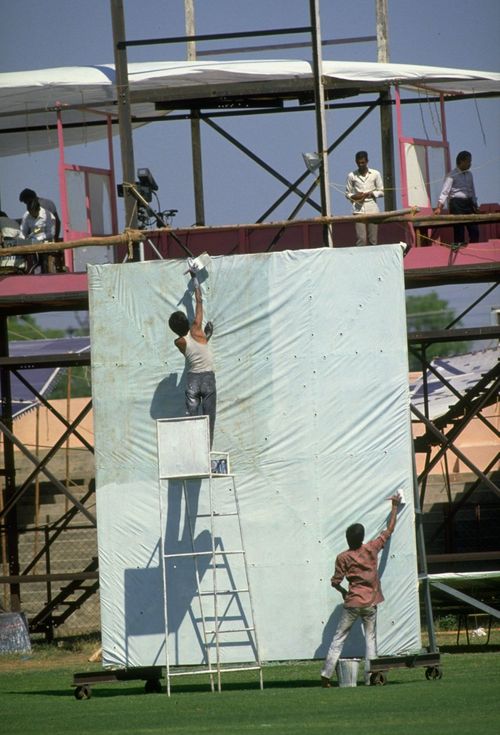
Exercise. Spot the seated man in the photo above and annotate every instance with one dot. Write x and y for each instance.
(38, 225)
(27, 195)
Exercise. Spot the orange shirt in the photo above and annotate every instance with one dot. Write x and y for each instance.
(359, 567)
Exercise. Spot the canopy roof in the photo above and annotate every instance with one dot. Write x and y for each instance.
(28, 99)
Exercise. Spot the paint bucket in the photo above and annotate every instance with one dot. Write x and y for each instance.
(347, 671)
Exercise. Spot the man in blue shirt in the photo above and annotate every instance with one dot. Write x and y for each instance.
(458, 190)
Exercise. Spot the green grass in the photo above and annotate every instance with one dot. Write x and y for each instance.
(36, 697)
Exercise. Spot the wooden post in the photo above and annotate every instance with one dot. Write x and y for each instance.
(386, 129)
(199, 203)
(124, 117)
(319, 96)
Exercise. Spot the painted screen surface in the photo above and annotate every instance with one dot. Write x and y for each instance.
(313, 408)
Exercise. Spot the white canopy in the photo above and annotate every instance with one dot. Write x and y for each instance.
(28, 99)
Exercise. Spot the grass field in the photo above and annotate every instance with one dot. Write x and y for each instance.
(36, 697)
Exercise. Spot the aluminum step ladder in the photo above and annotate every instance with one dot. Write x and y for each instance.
(199, 484)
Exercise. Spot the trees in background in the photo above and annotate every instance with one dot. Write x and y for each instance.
(430, 312)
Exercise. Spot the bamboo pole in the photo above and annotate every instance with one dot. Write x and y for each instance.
(128, 237)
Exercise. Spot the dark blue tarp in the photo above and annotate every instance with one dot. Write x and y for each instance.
(43, 379)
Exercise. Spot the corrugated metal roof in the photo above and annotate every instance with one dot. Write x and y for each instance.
(460, 371)
(43, 379)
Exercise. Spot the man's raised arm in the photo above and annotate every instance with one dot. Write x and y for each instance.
(395, 500)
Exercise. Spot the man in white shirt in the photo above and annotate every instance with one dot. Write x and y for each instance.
(363, 187)
(458, 189)
(27, 195)
(38, 225)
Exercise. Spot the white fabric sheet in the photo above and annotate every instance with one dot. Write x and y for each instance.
(313, 407)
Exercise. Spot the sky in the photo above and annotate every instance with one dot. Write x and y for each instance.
(36, 35)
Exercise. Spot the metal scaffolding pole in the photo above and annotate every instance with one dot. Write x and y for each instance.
(9, 471)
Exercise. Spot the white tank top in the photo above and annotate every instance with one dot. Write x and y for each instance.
(199, 358)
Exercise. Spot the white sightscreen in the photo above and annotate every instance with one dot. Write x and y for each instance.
(417, 175)
(313, 407)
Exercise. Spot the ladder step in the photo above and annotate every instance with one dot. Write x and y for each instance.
(224, 592)
(230, 630)
(203, 553)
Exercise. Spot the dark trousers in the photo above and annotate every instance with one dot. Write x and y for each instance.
(201, 393)
(463, 206)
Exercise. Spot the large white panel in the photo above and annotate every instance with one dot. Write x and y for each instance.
(313, 407)
(183, 447)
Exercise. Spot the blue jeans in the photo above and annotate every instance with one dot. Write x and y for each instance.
(201, 393)
(349, 616)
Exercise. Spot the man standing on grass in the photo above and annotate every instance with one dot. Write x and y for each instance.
(358, 564)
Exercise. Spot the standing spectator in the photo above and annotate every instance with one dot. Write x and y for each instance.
(458, 189)
(363, 187)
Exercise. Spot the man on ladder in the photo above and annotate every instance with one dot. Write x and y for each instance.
(192, 341)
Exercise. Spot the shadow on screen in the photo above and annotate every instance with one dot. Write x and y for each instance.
(146, 585)
(355, 643)
(168, 398)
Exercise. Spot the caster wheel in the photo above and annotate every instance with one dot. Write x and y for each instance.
(152, 686)
(433, 672)
(378, 678)
(83, 692)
